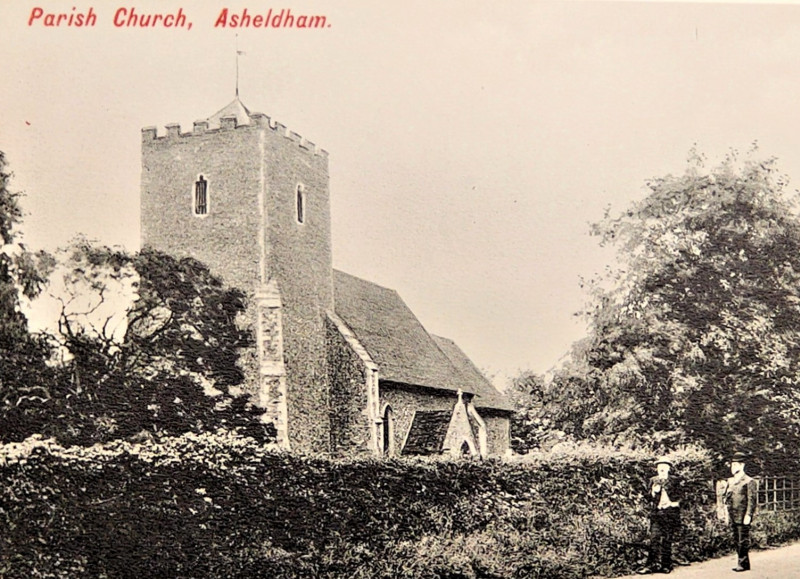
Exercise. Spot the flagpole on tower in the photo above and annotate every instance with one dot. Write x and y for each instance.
(238, 53)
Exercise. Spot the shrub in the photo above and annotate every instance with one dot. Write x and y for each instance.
(221, 505)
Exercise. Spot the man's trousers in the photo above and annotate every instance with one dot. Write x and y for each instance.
(664, 525)
(741, 537)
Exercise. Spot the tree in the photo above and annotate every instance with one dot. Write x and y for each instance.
(148, 343)
(25, 378)
(184, 331)
(696, 337)
(528, 427)
(186, 320)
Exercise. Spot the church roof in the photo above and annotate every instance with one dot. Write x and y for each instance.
(486, 395)
(234, 108)
(401, 347)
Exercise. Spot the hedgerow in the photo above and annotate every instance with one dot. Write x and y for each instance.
(220, 505)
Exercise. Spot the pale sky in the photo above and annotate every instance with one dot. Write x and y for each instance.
(470, 142)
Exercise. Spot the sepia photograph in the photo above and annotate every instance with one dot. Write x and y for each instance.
(352, 289)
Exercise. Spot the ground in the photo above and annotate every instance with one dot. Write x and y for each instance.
(779, 563)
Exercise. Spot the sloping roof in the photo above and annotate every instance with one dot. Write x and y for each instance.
(401, 347)
(392, 335)
(427, 433)
(486, 395)
(234, 108)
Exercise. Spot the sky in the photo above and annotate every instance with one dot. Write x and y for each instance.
(471, 142)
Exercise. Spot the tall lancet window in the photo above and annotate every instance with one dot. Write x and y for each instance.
(201, 196)
(301, 204)
(388, 431)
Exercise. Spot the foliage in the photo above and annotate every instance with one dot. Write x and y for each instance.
(147, 343)
(185, 320)
(220, 505)
(529, 426)
(696, 338)
(24, 376)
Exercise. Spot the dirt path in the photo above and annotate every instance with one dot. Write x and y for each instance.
(780, 563)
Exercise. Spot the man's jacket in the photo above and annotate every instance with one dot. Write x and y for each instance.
(672, 486)
(741, 498)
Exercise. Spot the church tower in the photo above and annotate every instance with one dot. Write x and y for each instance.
(251, 199)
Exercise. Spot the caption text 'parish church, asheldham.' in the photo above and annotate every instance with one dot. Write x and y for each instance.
(344, 367)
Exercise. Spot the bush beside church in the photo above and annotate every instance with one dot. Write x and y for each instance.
(217, 505)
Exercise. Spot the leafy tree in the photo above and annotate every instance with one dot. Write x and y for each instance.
(186, 320)
(149, 344)
(24, 376)
(184, 331)
(696, 337)
(528, 426)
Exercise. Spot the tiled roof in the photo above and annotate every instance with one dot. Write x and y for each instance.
(427, 433)
(392, 335)
(234, 108)
(401, 347)
(486, 395)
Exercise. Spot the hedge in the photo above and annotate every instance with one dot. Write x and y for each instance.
(216, 505)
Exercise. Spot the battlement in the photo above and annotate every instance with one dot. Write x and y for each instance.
(230, 123)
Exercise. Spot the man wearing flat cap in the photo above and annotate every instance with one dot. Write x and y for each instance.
(665, 518)
(741, 496)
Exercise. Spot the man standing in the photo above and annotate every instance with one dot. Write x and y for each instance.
(741, 497)
(665, 518)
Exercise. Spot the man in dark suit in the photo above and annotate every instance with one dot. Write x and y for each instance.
(665, 518)
(741, 497)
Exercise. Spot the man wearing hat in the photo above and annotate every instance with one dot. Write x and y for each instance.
(741, 497)
(665, 518)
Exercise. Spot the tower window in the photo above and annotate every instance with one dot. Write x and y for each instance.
(301, 204)
(201, 196)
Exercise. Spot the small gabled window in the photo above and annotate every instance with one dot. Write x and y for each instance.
(301, 204)
(201, 196)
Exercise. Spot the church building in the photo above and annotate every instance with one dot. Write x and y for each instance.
(342, 365)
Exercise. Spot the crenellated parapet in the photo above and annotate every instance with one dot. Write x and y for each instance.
(230, 123)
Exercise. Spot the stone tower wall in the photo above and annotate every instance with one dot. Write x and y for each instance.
(226, 239)
(251, 237)
(299, 260)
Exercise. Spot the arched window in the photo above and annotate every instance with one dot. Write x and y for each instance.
(388, 431)
(301, 204)
(201, 196)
